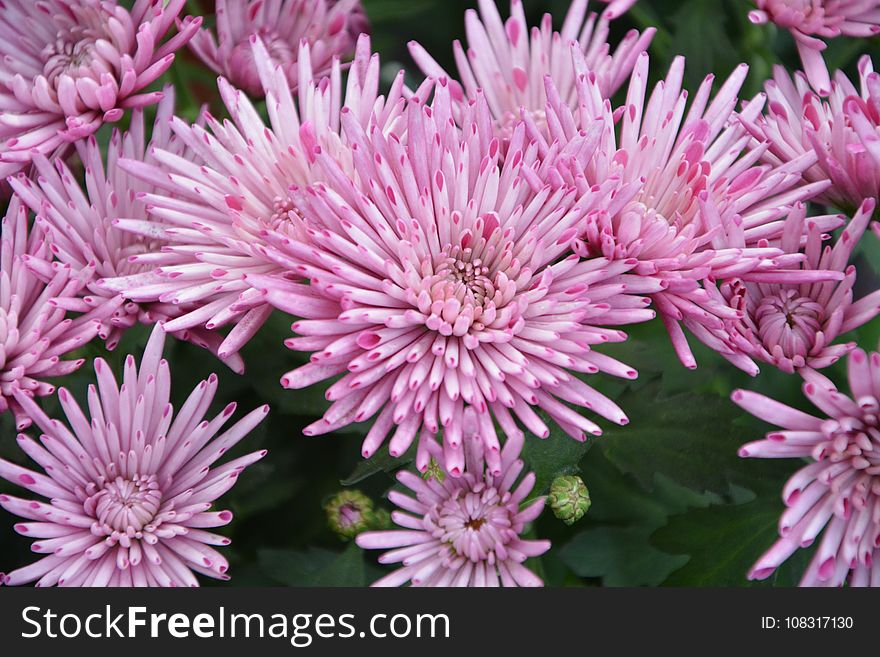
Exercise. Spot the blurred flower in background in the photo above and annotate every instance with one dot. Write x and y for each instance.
(507, 62)
(68, 66)
(810, 21)
(330, 27)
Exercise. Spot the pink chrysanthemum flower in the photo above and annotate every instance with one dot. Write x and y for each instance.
(131, 489)
(213, 208)
(83, 226)
(67, 66)
(463, 531)
(839, 490)
(507, 61)
(794, 324)
(35, 329)
(695, 207)
(327, 25)
(810, 21)
(863, 112)
(798, 121)
(441, 278)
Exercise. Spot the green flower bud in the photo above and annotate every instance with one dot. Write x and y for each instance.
(349, 513)
(381, 519)
(434, 471)
(569, 498)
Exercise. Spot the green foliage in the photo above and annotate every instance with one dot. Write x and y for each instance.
(551, 457)
(691, 438)
(381, 461)
(317, 567)
(614, 544)
(721, 541)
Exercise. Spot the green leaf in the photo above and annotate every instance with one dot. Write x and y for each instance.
(558, 454)
(722, 541)
(621, 556)
(346, 570)
(614, 545)
(294, 567)
(381, 461)
(315, 566)
(692, 438)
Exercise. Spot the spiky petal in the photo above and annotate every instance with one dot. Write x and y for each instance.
(695, 206)
(841, 129)
(214, 208)
(83, 223)
(792, 320)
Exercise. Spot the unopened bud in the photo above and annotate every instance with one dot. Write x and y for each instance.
(349, 513)
(569, 498)
(381, 519)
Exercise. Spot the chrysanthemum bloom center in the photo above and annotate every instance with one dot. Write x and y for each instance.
(855, 440)
(350, 514)
(476, 524)
(509, 120)
(125, 506)
(76, 50)
(789, 320)
(284, 210)
(466, 289)
(470, 279)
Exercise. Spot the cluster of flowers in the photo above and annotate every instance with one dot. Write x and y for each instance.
(456, 255)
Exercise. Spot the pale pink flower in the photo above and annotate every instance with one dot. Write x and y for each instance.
(695, 207)
(837, 493)
(465, 530)
(213, 206)
(330, 27)
(440, 277)
(798, 121)
(811, 21)
(68, 66)
(130, 490)
(36, 331)
(507, 61)
(83, 227)
(793, 324)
